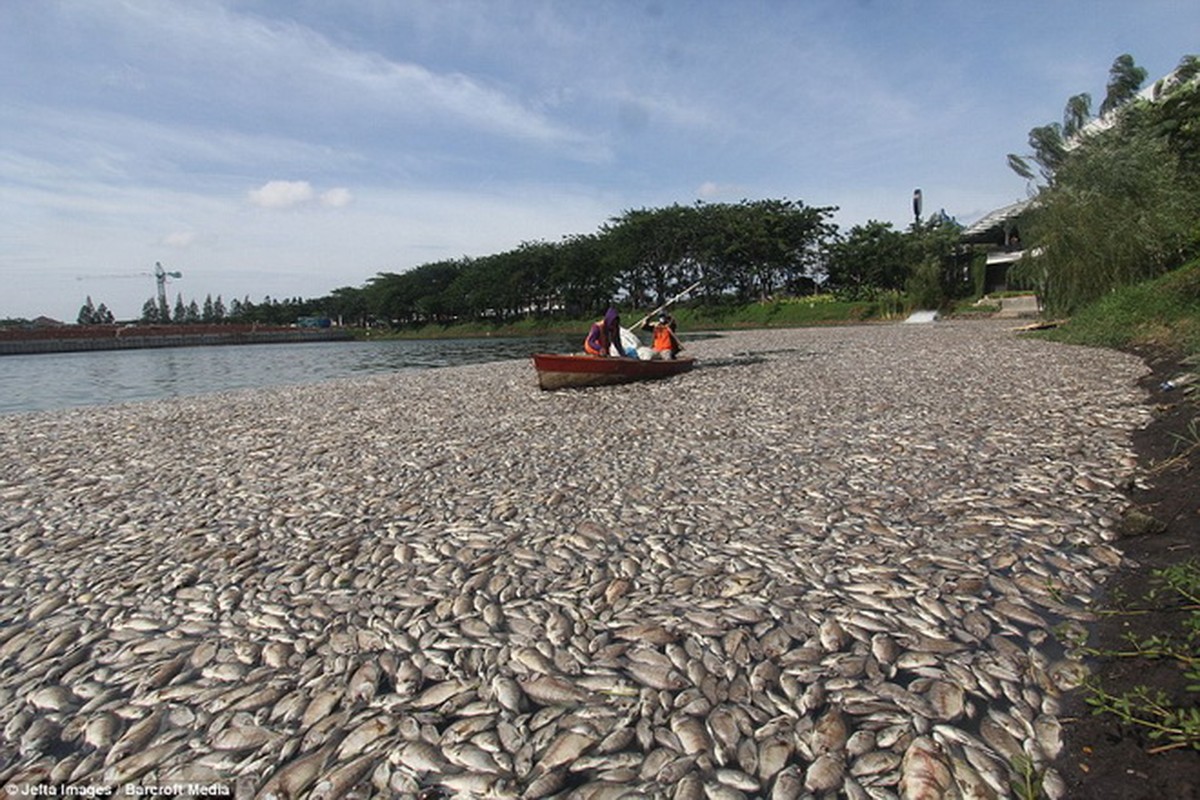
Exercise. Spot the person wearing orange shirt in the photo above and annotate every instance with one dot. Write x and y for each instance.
(666, 344)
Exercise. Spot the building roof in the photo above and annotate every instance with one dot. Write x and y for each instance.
(994, 220)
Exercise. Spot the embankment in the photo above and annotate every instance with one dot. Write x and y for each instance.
(75, 338)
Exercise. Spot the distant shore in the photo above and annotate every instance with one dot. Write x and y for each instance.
(77, 338)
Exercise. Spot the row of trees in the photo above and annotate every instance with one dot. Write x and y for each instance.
(740, 253)
(1118, 196)
(213, 311)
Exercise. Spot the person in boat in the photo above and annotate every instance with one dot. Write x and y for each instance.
(604, 334)
(666, 344)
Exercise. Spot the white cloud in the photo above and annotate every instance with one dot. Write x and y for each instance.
(290, 194)
(281, 194)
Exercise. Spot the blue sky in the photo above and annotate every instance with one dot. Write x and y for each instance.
(291, 147)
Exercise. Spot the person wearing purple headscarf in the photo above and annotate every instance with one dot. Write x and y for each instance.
(603, 334)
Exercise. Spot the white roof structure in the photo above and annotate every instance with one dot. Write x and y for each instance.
(994, 219)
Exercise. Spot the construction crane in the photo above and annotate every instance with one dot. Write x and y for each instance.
(161, 275)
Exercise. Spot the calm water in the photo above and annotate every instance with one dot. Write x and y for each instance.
(66, 380)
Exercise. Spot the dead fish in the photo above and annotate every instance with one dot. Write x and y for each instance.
(364, 683)
(53, 698)
(773, 755)
(296, 776)
(924, 771)
(364, 735)
(788, 785)
(133, 767)
(656, 677)
(691, 734)
(137, 737)
(470, 757)
(830, 733)
(826, 773)
(101, 730)
(440, 693)
(240, 738)
(419, 756)
(39, 737)
(549, 690)
(564, 749)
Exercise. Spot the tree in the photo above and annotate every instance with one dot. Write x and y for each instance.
(150, 312)
(1049, 150)
(940, 270)
(1118, 214)
(1175, 116)
(658, 248)
(585, 274)
(348, 304)
(1076, 114)
(872, 257)
(1050, 142)
(180, 314)
(1124, 80)
(1120, 205)
(87, 313)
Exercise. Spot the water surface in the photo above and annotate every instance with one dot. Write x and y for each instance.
(48, 381)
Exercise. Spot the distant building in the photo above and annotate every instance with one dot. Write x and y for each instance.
(998, 234)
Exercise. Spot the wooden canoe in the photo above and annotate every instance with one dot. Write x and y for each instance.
(562, 371)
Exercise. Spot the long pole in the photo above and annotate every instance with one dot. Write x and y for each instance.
(642, 321)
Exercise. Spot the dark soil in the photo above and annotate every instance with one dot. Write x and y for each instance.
(1105, 757)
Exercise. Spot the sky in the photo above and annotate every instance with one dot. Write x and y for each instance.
(287, 148)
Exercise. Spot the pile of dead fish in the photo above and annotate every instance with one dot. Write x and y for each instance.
(844, 563)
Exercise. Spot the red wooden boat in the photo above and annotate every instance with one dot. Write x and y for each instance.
(561, 371)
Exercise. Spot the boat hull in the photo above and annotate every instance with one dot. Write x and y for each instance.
(566, 371)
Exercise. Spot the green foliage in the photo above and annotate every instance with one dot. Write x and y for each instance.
(1124, 80)
(1122, 202)
(870, 258)
(1028, 778)
(90, 314)
(1175, 724)
(1076, 114)
(1164, 312)
(874, 262)
(925, 287)
(751, 250)
(1117, 214)
(1051, 143)
(783, 313)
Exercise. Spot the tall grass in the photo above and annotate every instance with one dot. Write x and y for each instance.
(1119, 213)
(1162, 313)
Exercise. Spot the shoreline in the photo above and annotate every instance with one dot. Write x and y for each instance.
(866, 534)
(74, 339)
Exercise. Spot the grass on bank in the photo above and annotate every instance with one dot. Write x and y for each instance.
(1162, 314)
(789, 312)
